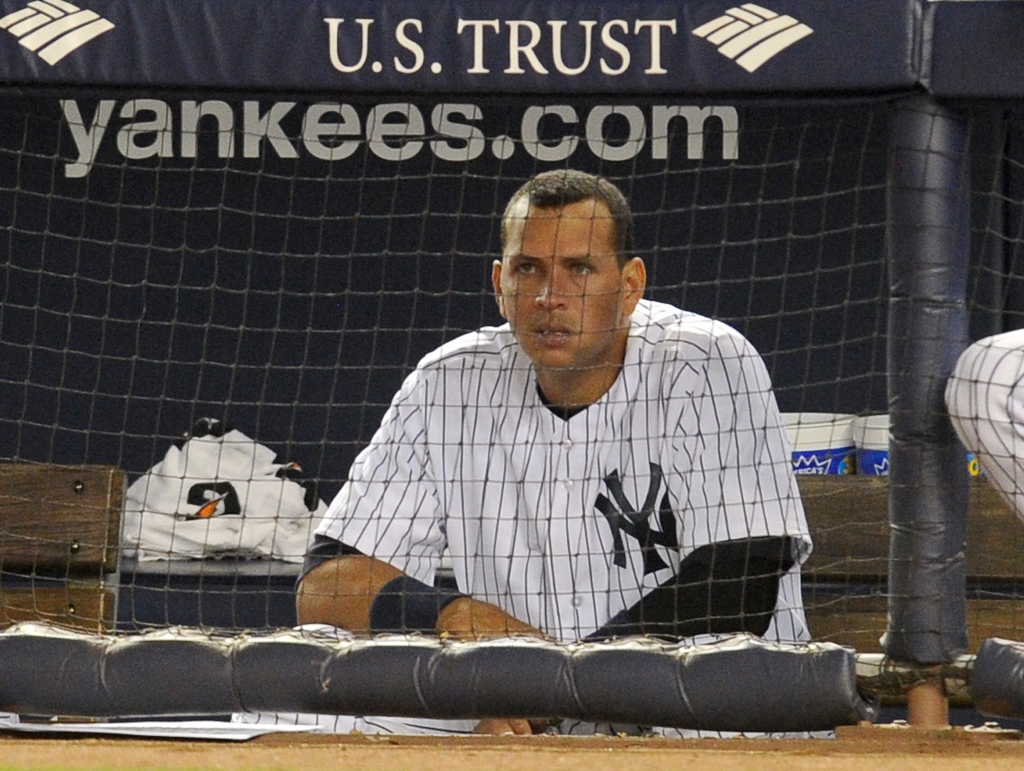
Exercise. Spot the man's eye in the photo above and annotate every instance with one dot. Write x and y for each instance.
(525, 267)
(582, 268)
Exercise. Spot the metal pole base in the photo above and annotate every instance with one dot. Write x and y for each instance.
(927, 706)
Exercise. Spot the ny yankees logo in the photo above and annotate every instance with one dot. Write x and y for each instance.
(626, 518)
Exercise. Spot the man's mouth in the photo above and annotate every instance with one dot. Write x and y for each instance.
(553, 332)
(553, 336)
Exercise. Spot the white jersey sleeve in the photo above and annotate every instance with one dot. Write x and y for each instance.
(730, 444)
(389, 506)
(733, 458)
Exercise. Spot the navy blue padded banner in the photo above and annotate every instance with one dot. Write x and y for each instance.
(976, 48)
(485, 46)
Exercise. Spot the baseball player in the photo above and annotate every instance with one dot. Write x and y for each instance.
(599, 466)
(985, 396)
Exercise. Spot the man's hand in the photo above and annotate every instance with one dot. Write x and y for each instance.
(496, 726)
(341, 592)
(469, 619)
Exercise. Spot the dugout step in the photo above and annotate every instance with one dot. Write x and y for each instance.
(897, 732)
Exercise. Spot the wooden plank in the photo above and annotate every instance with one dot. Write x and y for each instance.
(995, 536)
(849, 521)
(860, 621)
(85, 608)
(60, 519)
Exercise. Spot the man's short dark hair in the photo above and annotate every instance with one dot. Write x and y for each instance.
(561, 187)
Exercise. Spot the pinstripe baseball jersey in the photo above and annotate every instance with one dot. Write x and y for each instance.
(985, 396)
(565, 522)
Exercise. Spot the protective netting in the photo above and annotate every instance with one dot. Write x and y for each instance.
(181, 268)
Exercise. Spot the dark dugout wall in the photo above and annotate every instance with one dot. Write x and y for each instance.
(290, 295)
(282, 269)
(176, 245)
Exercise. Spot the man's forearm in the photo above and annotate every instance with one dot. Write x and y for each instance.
(341, 591)
(346, 592)
(470, 619)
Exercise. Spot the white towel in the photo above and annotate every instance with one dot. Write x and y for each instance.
(219, 493)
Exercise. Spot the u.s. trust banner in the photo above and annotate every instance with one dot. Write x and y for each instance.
(479, 46)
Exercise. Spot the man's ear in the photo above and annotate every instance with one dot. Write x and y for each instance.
(496, 282)
(633, 283)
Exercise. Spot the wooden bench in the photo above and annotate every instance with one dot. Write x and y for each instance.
(59, 540)
(845, 579)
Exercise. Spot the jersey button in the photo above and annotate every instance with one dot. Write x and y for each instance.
(577, 601)
(567, 444)
(567, 484)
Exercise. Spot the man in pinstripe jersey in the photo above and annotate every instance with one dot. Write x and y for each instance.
(599, 466)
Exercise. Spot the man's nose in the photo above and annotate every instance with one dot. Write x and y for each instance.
(554, 290)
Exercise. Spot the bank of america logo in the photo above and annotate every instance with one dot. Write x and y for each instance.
(751, 35)
(54, 28)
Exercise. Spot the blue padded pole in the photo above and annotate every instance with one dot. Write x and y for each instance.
(928, 243)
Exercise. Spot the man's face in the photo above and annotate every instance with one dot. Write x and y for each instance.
(560, 286)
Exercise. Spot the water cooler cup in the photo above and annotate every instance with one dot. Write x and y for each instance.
(871, 436)
(822, 442)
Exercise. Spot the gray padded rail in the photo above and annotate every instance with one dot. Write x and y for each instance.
(997, 678)
(738, 684)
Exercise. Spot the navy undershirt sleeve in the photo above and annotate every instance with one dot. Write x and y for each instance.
(721, 588)
(323, 549)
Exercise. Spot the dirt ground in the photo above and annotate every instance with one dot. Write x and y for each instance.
(874, 749)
